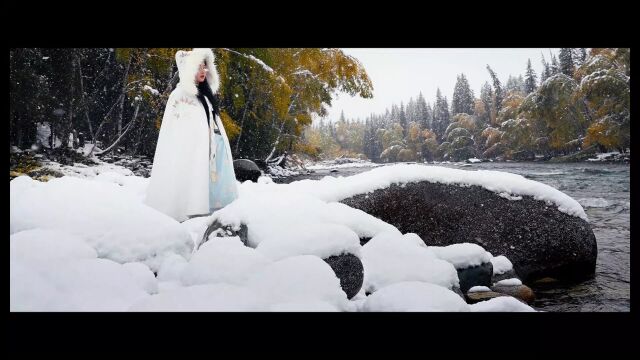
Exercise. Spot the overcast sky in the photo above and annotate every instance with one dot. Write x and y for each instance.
(399, 74)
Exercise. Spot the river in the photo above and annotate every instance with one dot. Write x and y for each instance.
(603, 190)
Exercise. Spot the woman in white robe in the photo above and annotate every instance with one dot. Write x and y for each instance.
(192, 172)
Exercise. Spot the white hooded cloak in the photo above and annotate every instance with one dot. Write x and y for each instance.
(179, 184)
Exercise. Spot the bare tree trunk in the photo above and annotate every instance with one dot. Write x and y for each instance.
(69, 126)
(275, 145)
(124, 89)
(99, 130)
(83, 100)
(127, 128)
(244, 114)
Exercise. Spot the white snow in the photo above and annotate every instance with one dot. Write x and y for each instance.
(151, 90)
(311, 306)
(113, 221)
(87, 243)
(76, 285)
(262, 64)
(391, 257)
(143, 276)
(478, 289)
(285, 223)
(462, 255)
(501, 304)
(43, 244)
(605, 156)
(474, 160)
(501, 265)
(338, 188)
(210, 297)
(509, 196)
(414, 296)
(509, 282)
(223, 259)
(299, 279)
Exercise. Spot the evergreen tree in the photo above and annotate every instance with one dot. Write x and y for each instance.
(499, 95)
(403, 121)
(579, 55)
(486, 96)
(530, 79)
(546, 70)
(566, 62)
(555, 68)
(463, 98)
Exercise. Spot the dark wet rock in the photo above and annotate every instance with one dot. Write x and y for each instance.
(349, 269)
(475, 276)
(537, 238)
(246, 170)
(524, 155)
(217, 229)
(521, 292)
(579, 156)
(506, 275)
(364, 240)
(476, 297)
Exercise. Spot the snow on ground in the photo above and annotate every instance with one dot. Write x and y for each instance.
(501, 304)
(285, 223)
(111, 220)
(509, 282)
(501, 264)
(87, 243)
(605, 156)
(414, 296)
(462, 255)
(391, 257)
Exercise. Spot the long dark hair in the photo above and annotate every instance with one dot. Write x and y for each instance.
(204, 90)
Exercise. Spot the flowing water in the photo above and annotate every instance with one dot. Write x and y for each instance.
(603, 190)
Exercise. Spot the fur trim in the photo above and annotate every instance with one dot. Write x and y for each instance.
(188, 64)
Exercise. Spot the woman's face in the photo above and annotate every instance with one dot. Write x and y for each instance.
(202, 73)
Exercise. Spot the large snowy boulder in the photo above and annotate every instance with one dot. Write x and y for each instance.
(543, 231)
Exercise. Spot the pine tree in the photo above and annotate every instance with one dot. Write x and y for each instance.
(530, 79)
(555, 68)
(578, 55)
(499, 96)
(546, 70)
(566, 62)
(423, 116)
(463, 98)
(403, 121)
(441, 115)
(486, 95)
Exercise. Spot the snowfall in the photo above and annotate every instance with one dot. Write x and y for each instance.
(86, 242)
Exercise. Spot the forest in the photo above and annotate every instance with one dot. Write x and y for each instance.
(98, 101)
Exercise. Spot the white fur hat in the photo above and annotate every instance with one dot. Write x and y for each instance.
(188, 65)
